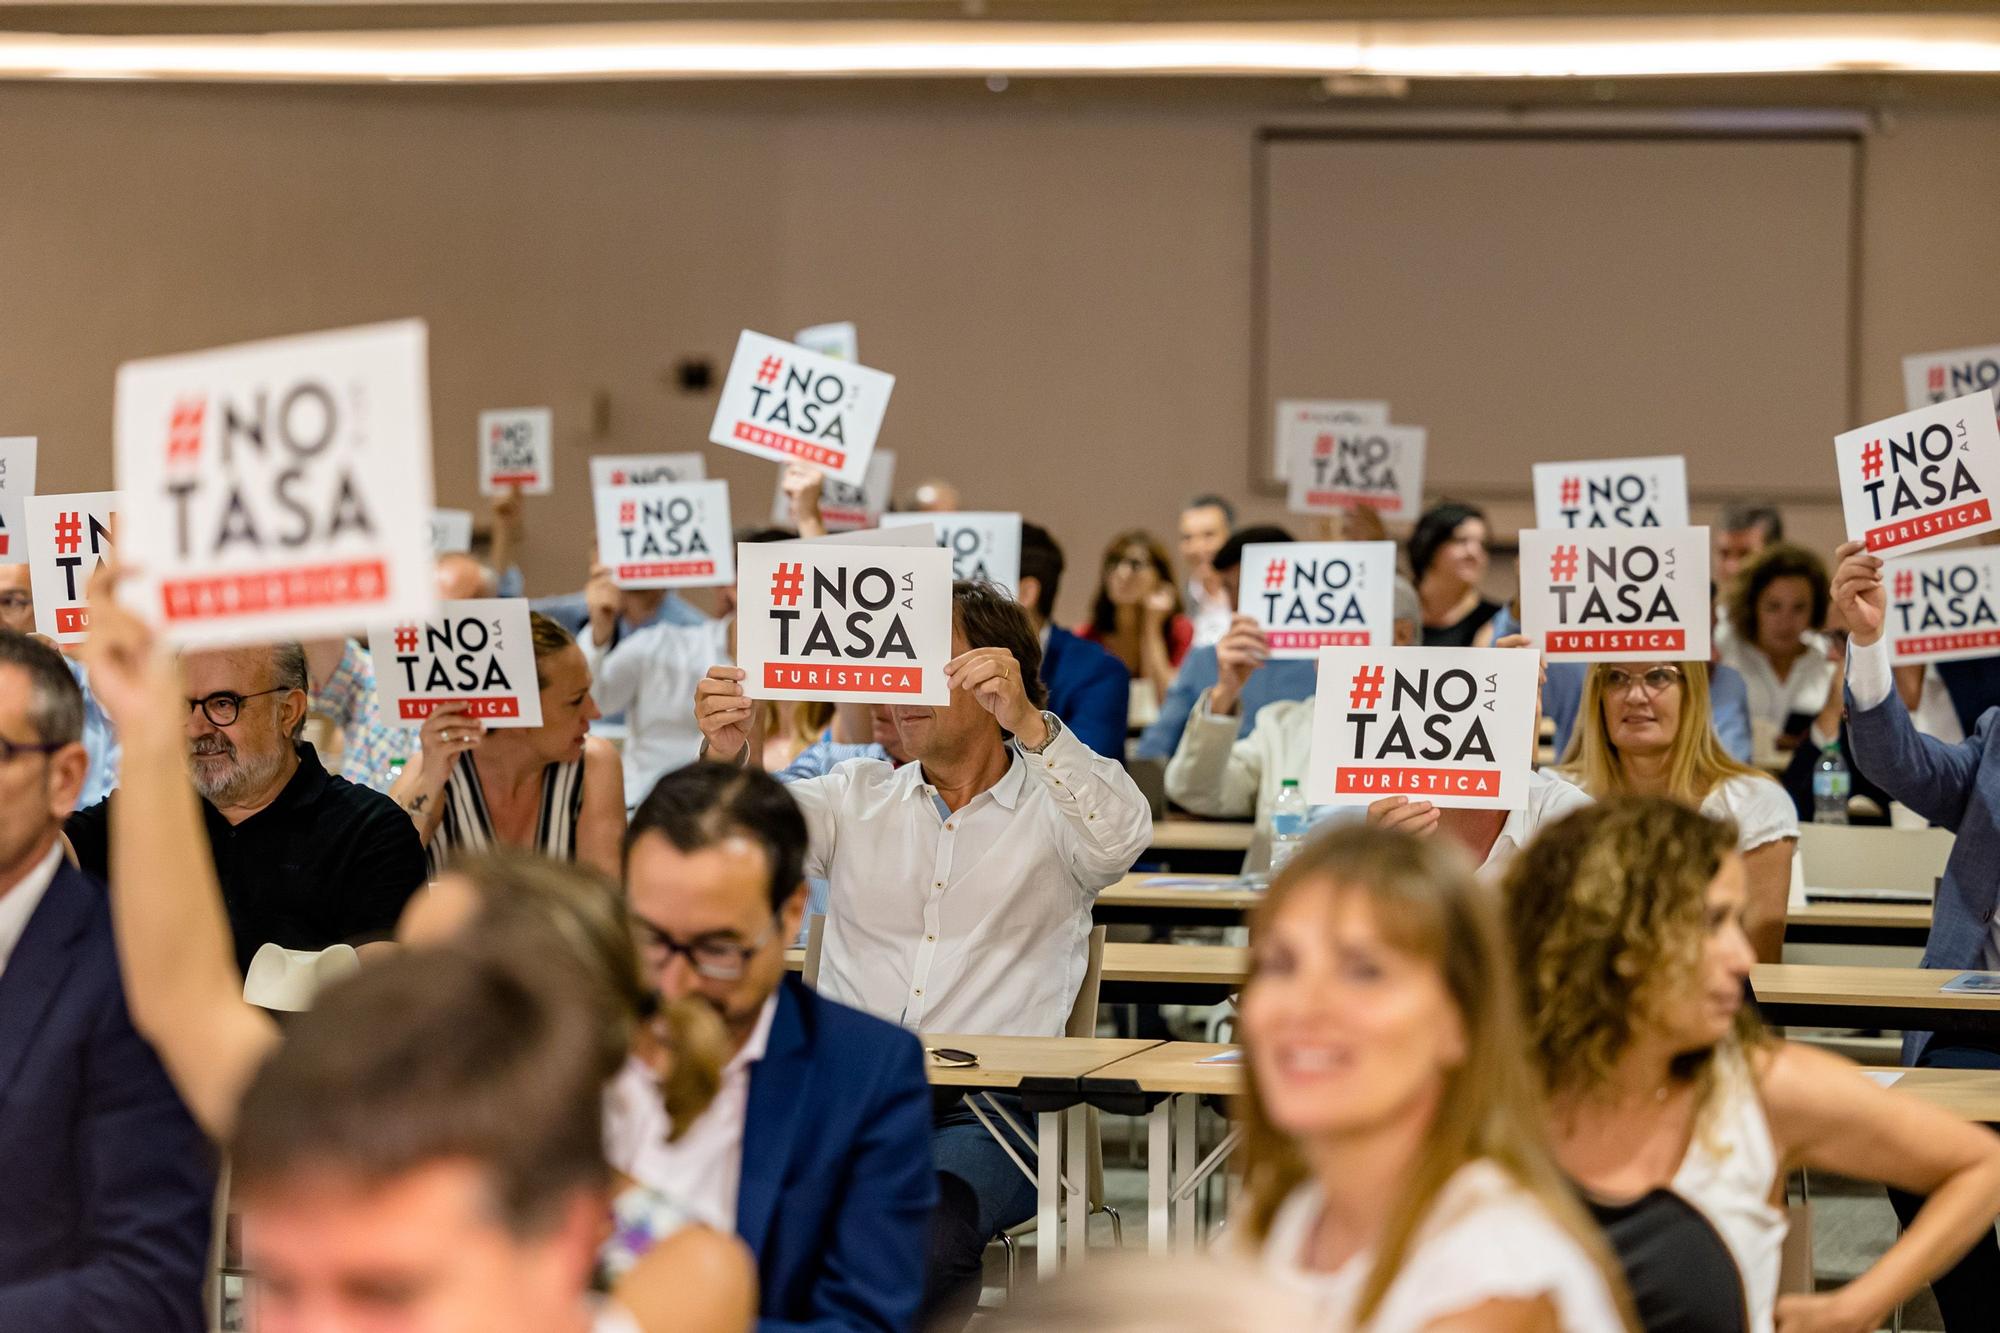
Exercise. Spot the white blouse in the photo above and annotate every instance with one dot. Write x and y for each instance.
(1773, 700)
(1485, 1238)
(1730, 1173)
(1762, 810)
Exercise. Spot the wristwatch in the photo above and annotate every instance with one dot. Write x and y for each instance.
(1054, 724)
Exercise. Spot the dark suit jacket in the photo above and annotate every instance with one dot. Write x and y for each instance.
(837, 1186)
(1089, 689)
(107, 1187)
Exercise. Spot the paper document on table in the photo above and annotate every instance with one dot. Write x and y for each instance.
(1187, 882)
(1884, 1078)
(1234, 1057)
(1974, 983)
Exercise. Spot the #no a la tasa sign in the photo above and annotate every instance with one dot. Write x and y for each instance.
(478, 654)
(1452, 726)
(858, 624)
(789, 405)
(1616, 594)
(1923, 478)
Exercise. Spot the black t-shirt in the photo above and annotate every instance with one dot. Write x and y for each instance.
(326, 863)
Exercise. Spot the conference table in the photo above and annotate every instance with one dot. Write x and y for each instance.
(1167, 1082)
(1213, 846)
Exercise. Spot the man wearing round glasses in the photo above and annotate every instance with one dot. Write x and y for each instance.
(306, 860)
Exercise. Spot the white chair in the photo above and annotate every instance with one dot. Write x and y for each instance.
(815, 937)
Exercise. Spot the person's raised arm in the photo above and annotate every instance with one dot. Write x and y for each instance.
(803, 483)
(1828, 1116)
(600, 825)
(725, 715)
(447, 733)
(1213, 773)
(1156, 616)
(174, 946)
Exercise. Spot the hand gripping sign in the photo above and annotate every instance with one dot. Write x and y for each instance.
(857, 624)
(982, 546)
(1453, 726)
(1612, 493)
(645, 469)
(1923, 478)
(69, 536)
(1300, 420)
(789, 405)
(844, 507)
(666, 536)
(17, 483)
(1943, 605)
(1616, 594)
(1312, 595)
(1936, 377)
(279, 490)
(517, 448)
(1373, 467)
(477, 653)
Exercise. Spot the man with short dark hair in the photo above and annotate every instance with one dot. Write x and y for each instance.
(1089, 688)
(815, 1148)
(306, 860)
(109, 1187)
(426, 1146)
(1205, 525)
(1741, 531)
(1200, 669)
(963, 885)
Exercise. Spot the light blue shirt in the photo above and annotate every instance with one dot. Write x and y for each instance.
(100, 741)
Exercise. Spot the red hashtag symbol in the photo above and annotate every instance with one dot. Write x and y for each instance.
(618, 479)
(767, 370)
(1936, 377)
(1871, 459)
(1367, 691)
(1906, 583)
(1562, 565)
(184, 429)
(1274, 574)
(628, 512)
(406, 638)
(69, 533)
(787, 584)
(1572, 490)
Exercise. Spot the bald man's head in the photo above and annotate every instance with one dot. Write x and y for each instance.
(461, 578)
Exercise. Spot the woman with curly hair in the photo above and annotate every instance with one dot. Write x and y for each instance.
(1677, 1115)
(1777, 608)
(1398, 1171)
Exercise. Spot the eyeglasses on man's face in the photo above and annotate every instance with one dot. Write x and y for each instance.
(224, 706)
(1656, 680)
(716, 957)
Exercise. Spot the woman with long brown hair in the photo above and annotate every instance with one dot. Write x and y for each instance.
(1397, 1169)
(1677, 1115)
(1137, 614)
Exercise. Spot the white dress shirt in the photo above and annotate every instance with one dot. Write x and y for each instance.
(650, 677)
(1210, 614)
(1773, 700)
(19, 903)
(700, 1170)
(978, 920)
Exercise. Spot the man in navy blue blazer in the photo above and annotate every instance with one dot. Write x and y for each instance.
(817, 1147)
(107, 1187)
(1958, 787)
(1089, 688)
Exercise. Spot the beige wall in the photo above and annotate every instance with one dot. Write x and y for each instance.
(1063, 293)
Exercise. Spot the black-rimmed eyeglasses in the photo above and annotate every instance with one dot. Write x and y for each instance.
(224, 706)
(714, 958)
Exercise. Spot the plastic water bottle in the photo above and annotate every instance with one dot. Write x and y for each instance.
(1832, 785)
(1288, 823)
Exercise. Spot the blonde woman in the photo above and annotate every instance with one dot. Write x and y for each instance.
(789, 729)
(1645, 729)
(1398, 1175)
(1677, 1115)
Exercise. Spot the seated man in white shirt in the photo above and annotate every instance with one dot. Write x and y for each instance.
(1213, 773)
(962, 885)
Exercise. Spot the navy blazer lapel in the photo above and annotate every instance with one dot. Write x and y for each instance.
(39, 963)
(778, 1085)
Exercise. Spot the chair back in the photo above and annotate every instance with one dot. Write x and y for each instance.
(1845, 856)
(815, 937)
(1083, 1014)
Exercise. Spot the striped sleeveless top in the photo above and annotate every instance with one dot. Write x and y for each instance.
(467, 827)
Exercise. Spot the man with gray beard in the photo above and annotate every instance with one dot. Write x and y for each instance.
(306, 860)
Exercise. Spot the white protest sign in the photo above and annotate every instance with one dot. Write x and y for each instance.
(667, 536)
(1369, 467)
(1612, 493)
(478, 653)
(1452, 726)
(517, 448)
(1936, 377)
(1943, 605)
(844, 507)
(1616, 594)
(840, 341)
(784, 403)
(279, 490)
(17, 483)
(1300, 420)
(451, 531)
(858, 624)
(1312, 595)
(912, 537)
(1923, 478)
(982, 545)
(645, 469)
(69, 536)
